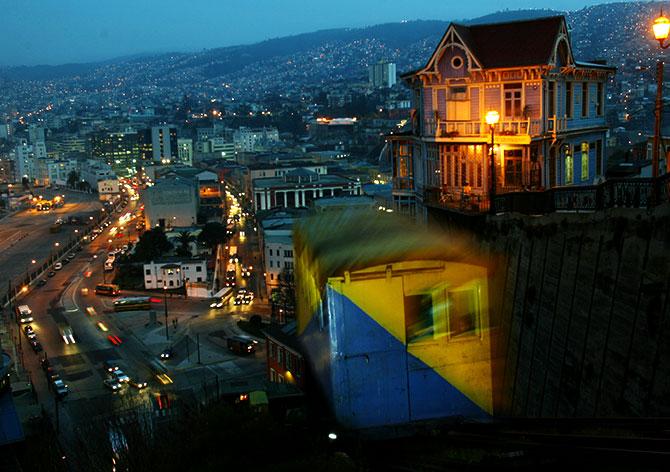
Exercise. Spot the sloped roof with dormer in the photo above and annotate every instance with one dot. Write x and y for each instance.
(506, 45)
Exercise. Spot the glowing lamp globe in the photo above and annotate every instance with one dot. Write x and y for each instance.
(492, 117)
(661, 28)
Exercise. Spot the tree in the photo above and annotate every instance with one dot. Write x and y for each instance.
(151, 245)
(184, 239)
(213, 234)
(72, 178)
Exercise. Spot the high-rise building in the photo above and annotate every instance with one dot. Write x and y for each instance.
(35, 134)
(185, 151)
(164, 144)
(119, 150)
(382, 74)
(27, 160)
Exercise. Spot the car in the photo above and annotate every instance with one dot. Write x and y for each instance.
(45, 363)
(35, 344)
(138, 384)
(58, 266)
(167, 353)
(112, 384)
(66, 261)
(102, 326)
(51, 273)
(60, 388)
(121, 376)
(111, 366)
(24, 314)
(51, 374)
(248, 298)
(30, 332)
(114, 339)
(241, 345)
(41, 282)
(71, 256)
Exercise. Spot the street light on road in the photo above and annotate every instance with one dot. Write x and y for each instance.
(661, 29)
(492, 118)
(167, 335)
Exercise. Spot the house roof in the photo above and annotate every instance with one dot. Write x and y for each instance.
(512, 44)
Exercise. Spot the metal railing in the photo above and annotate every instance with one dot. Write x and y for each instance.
(641, 193)
(456, 128)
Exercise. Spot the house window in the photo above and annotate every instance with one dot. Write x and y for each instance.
(600, 106)
(585, 99)
(198, 268)
(463, 312)
(280, 356)
(288, 253)
(458, 93)
(513, 166)
(569, 101)
(585, 161)
(512, 93)
(272, 276)
(171, 283)
(273, 375)
(270, 251)
(288, 265)
(148, 272)
(568, 165)
(599, 157)
(551, 97)
(199, 279)
(457, 62)
(270, 262)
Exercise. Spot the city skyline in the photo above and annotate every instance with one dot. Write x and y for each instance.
(77, 32)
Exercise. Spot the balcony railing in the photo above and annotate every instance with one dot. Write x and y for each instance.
(467, 128)
(639, 193)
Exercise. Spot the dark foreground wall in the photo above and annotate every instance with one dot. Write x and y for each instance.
(581, 312)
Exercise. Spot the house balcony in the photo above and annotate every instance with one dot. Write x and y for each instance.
(507, 131)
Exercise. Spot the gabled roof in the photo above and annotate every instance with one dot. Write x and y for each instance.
(513, 44)
(503, 45)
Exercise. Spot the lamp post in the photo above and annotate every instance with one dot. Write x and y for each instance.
(661, 29)
(492, 118)
(167, 335)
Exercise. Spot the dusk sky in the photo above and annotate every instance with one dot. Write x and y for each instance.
(61, 31)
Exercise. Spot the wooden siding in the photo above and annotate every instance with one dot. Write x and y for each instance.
(474, 103)
(442, 103)
(492, 98)
(533, 96)
(446, 69)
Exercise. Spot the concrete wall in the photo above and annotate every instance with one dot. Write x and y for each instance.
(580, 305)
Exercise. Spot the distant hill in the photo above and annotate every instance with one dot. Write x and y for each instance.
(617, 32)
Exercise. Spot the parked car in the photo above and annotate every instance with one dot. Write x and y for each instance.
(30, 332)
(112, 384)
(45, 363)
(41, 282)
(71, 256)
(58, 266)
(51, 273)
(111, 366)
(121, 376)
(35, 344)
(241, 345)
(60, 388)
(167, 353)
(138, 384)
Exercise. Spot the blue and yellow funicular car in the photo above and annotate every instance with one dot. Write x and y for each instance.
(394, 320)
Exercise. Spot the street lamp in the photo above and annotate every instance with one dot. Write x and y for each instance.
(167, 336)
(492, 118)
(661, 29)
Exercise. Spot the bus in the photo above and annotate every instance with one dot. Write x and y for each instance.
(107, 289)
(221, 298)
(132, 304)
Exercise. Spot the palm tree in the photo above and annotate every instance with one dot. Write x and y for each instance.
(184, 239)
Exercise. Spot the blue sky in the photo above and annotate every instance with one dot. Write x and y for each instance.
(60, 31)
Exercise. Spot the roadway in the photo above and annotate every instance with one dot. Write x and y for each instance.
(197, 337)
(25, 236)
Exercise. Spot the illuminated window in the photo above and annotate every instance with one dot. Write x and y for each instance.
(568, 166)
(419, 321)
(512, 93)
(585, 161)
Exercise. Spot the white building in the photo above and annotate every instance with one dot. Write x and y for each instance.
(93, 171)
(27, 160)
(382, 74)
(164, 143)
(185, 151)
(278, 255)
(250, 140)
(59, 170)
(171, 203)
(173, 274)
(107, 188)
